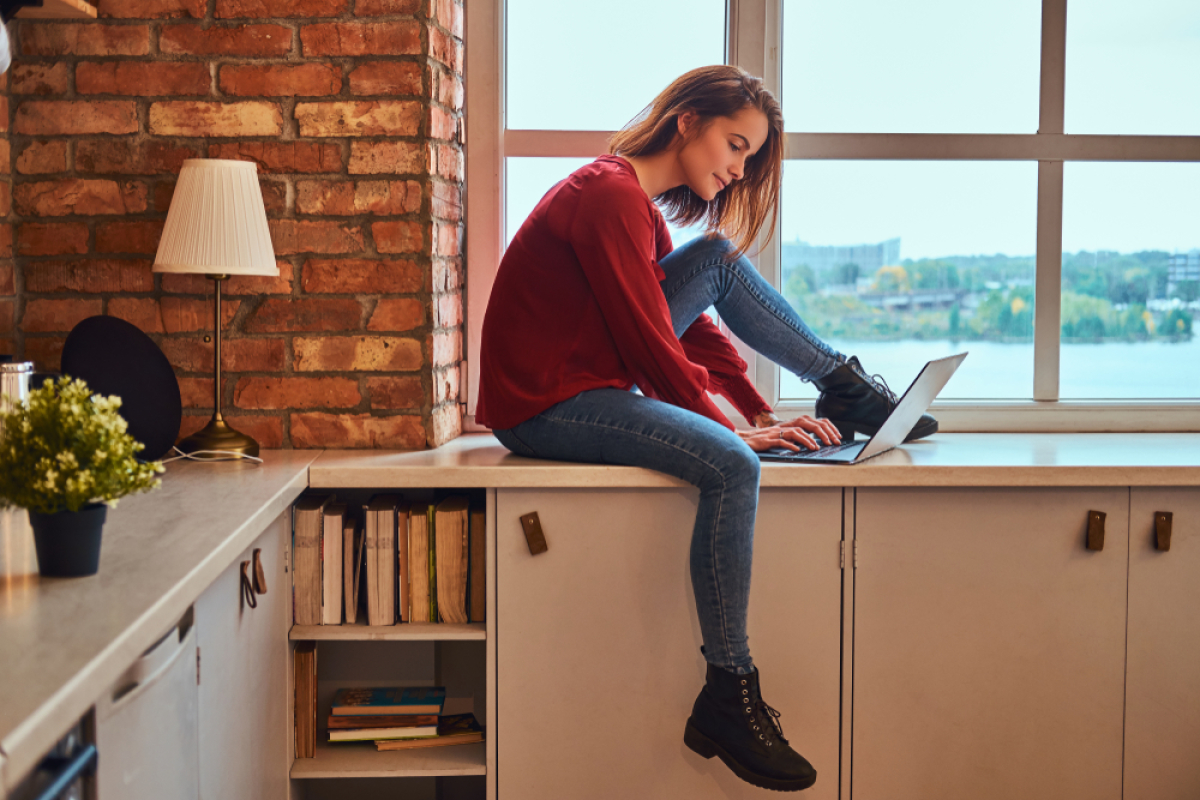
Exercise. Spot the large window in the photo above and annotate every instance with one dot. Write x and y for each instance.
(1003, 177)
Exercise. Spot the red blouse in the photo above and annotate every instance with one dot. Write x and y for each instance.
(577, 305)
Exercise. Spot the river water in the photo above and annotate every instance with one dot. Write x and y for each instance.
(1109, 371)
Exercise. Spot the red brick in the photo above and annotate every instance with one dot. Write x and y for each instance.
(51, 316)
(6, 240)
(448, 163)
(361, 39)
(125, 157)
(443, 48)
(446, 201)
(446, 275)
(204, 118)
(275, 393)
(446, 385)
(274, 195)
(239, 40)
(450, 91)
(75, 117)
(197, 392)
(283, 156)
(396, 392)
(89, 275)
(135, 236)
(387, 158)
(318, 236)
(182, 315)
(179, 283)
(5, 157)
(309, 314)
(445, 424)
(448, 310)
(79, 196)
(381, 8)
(4, 111)
(281, 80)
(269, 9)
(314, 430)
(398, 236)
(360, 118)
(141, 312)
(151, 9)
(40, 78)
(386, 77)
(163, 192)
(447, 348)
(40, 158)
(349, 198)
(193, 354)
(45, 352)
(397, 315)
(267, 431)
(445, 239)
(8, 285)
(50, 239)
(142, 79)
(85, 39)
(357, 354)
(441, 125)
(362, 276)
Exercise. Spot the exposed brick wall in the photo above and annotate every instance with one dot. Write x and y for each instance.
(352, 111)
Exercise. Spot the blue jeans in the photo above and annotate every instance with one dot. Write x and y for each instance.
(610, 426)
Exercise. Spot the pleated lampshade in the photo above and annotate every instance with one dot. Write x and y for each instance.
(217, 224)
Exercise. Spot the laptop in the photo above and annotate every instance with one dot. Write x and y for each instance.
(904, 416)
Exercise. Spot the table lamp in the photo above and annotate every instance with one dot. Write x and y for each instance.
(217, 226)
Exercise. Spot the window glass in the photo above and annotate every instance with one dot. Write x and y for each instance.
(1131, 281)
(1133, 69)
(899, 262)
(922, 66)
(594, 66)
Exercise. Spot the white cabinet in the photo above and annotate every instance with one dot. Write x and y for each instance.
(989, 644)
(598, 659)
(1162, 715)
(245, 731)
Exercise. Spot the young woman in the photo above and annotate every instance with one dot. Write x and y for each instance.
(590, 301)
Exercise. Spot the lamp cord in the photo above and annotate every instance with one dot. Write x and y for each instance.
(193, 456)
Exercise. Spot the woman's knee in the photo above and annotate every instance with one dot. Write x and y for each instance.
(734, 465)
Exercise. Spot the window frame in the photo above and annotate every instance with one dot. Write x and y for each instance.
(754, 42)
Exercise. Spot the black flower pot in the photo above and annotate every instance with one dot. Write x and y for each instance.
(68, 543)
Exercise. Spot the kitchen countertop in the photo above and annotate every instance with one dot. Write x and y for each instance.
(64, 640)
(948, 459)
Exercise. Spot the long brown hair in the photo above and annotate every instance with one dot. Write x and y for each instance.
(739, 211)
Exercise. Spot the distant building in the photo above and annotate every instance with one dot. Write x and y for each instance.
(823, 259)
(1183, 267)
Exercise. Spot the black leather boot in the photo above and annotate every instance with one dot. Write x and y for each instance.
(730, 720)
(856, 402)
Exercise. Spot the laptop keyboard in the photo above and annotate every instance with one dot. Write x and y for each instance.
(824, 451)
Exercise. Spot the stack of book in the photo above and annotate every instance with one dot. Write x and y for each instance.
(403, 563)
(399, 718)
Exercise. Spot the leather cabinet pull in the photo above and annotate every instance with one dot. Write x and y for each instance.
(248, 588)
(1095, 530)
(534, 536)
(260, 575)
(1162, 530)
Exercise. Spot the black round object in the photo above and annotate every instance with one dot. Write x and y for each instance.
(115, 357)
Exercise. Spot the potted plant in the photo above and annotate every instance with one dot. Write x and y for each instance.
(64, 456)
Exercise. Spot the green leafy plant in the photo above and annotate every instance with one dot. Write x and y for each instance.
(64, 448)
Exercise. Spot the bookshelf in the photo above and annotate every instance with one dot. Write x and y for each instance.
(406, 654)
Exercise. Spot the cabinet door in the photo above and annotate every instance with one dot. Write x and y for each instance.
(989, 644)
(245, 733)
(1162, 722)
(598, 644)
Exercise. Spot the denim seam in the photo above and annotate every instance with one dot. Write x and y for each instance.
(716, 517)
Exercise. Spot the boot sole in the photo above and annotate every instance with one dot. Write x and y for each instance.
(707, 748)
(848, 429)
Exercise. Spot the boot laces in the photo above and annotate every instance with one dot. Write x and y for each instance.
(770, 718)
(876, 381)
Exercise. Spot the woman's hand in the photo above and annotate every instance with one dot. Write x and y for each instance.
(790, 435)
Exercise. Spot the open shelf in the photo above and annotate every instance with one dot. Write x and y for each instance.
(362, 760)
(59, 9)
(404, 632)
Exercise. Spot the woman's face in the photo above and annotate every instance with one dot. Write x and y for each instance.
(717, 156)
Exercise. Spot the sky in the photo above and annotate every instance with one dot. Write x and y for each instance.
(880, 66)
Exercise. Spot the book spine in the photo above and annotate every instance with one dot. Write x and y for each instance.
(433, 605)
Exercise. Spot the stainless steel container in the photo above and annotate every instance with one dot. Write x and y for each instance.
(14, 385)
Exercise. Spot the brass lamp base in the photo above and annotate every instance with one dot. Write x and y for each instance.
(217, 435)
